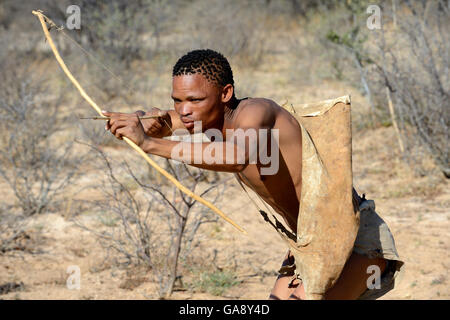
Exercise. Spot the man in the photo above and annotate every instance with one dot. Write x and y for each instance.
(203, 92)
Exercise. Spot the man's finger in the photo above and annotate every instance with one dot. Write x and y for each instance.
(118, 124)
(120, 133)
(156, 112)
(116, 115)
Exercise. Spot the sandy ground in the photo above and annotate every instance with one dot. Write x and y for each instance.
(415, 209)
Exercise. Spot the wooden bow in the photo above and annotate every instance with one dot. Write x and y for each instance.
(44, 20)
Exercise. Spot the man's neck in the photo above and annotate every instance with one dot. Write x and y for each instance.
(230, 108)
(229, 111)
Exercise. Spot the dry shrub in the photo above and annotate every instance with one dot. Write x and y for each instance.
(413, 64)
(36, 164)
(408, 58)
(150, 225)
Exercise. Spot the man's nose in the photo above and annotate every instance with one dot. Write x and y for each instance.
(185, 109)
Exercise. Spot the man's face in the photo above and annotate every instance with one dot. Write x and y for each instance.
(197, 99)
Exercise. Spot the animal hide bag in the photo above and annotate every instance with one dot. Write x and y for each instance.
(328, 221)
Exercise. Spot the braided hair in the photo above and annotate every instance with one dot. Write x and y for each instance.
(209, 63)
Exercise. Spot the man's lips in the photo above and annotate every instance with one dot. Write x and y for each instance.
(186, 120)
(188, 123)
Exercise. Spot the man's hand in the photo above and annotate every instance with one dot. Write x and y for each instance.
(126, 125)
(155, 127)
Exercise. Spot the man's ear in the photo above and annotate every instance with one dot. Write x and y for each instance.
(227, 93)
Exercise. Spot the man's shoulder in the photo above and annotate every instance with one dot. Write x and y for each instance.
(263, 105)
(257, 111)
(263, 102)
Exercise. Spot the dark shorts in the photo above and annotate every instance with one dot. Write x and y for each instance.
(375, 240)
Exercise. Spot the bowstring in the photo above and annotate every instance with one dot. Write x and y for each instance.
(97, 61)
